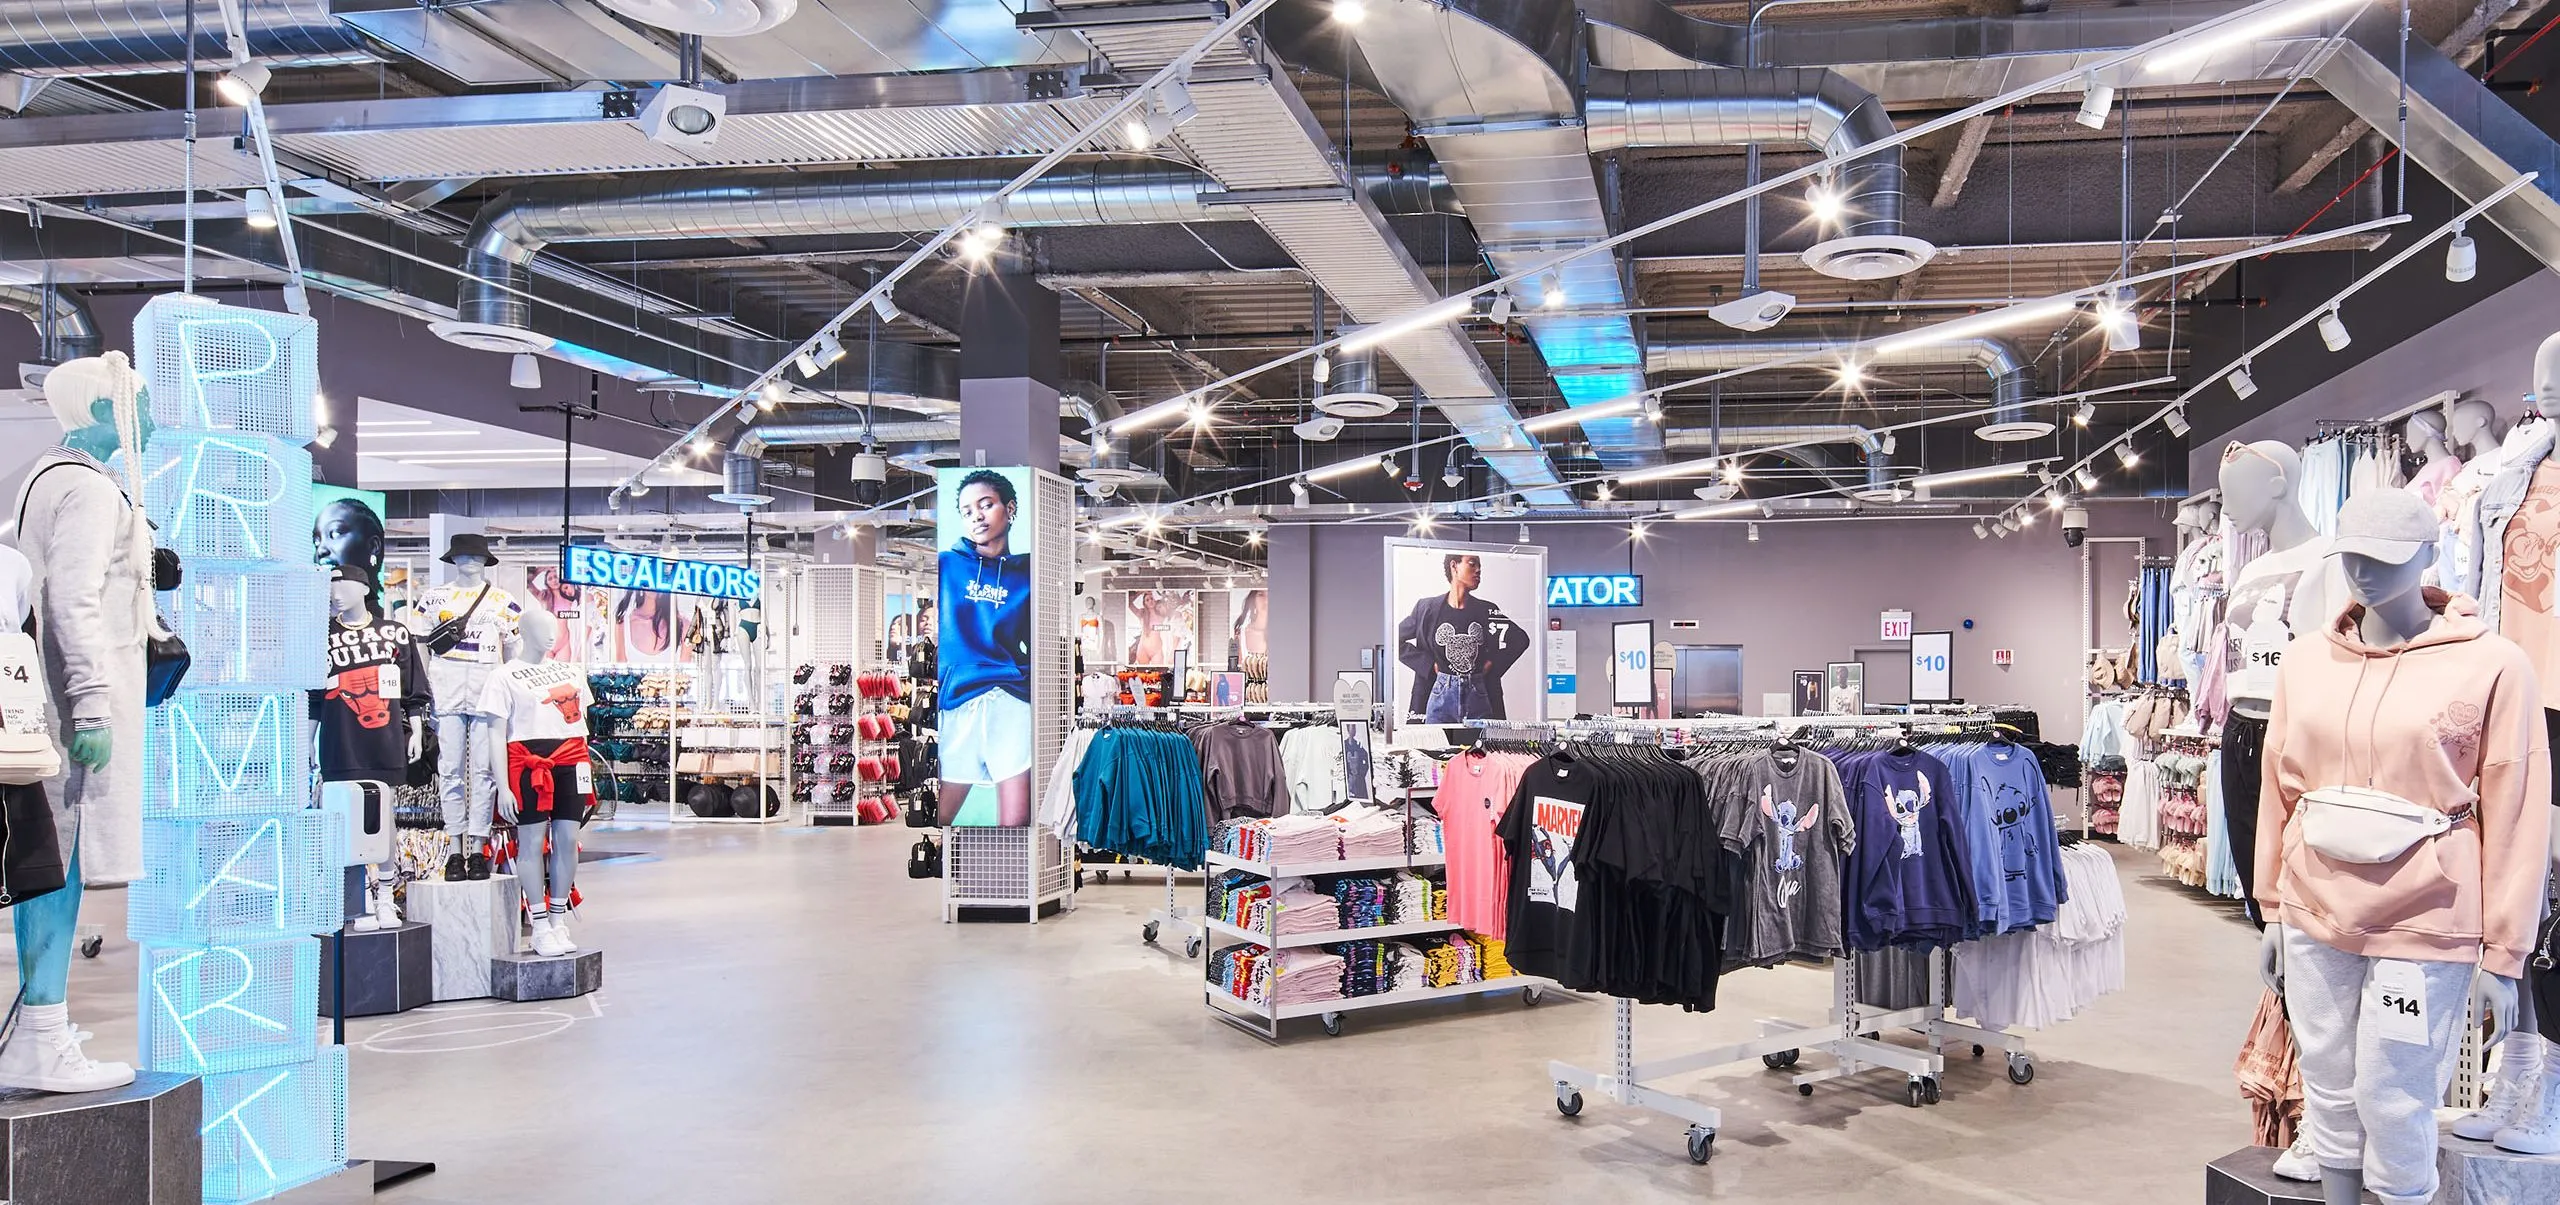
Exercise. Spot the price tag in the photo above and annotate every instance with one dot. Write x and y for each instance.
(586, 778)
(2395, 1002)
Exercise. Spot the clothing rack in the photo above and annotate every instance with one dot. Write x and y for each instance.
(1851, 1034)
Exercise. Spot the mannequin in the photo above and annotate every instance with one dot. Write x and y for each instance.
(88, 550)
(348, 534)
(2471, 427)
(2425, 435)
(2403, 693)
(2287, 591)
(370, 713)
(540, 708)
(467, 752)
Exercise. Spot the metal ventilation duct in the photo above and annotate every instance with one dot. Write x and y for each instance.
(1774, 105)
(2013, 384)
(1745, 439)
(123, 37)
(509, 231)
(63, 322)
(936, 434)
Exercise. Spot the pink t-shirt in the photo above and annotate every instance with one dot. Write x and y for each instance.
(1474, 790)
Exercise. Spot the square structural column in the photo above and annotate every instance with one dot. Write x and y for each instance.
(1009, 372)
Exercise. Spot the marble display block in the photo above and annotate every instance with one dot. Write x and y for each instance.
(2467, 1173)
(533, 977)
(141, 1144)
(474, 921)
(387, 971)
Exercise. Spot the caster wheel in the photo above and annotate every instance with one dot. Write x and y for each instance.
(1702, 1144)
(1191, 947)
(1914, 1095)
(2022, 1071)
(1780, 1060)
(1569, 1104)
(1148, 931)
(1977, 1050)
(1929, 1089)
(89, 946)
(1529, 997)
(1333, 1025)
(1804, 1089)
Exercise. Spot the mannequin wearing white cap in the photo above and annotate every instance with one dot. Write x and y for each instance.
(89, 550)
(467, 751)
(2403, 844)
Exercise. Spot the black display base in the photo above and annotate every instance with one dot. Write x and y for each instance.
(2466, 1172)
(387, 1172)
(2247, 1177)
(141, 1144)
(388, 970)
(835, 821)
(522, 977)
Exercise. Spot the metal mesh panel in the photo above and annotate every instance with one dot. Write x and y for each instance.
(258, 879)
(830, 616)
(226, 497)
(268, 1130)
(988, 865)
(216, 367)
(1053, 646)
(231, 621)
(207, 1009)
(1215, 628)
(870, 628)
(214, 754)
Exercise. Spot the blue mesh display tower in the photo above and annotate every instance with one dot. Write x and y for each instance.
(243, 868)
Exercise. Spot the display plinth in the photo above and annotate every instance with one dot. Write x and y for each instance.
(387, 970)
(2467, 1173)
(141, 1144)
(474, 920)
(522, 977)
(346, 1186)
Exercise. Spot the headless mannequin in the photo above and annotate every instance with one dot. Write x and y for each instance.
(2395, 611)
(2471, 427)
(546, 851)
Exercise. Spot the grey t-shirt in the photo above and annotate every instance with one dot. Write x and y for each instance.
(1789, 827)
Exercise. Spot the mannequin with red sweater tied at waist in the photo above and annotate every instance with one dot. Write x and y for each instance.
(548, 789)
(2403, 844)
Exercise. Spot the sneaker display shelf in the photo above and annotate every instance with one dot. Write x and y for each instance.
(844, 765)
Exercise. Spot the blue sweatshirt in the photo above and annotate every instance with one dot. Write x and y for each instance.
(2018, 851)
(986, 625)
(1909, 880)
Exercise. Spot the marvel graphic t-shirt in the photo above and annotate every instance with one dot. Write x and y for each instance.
(1538, 830)
(376, 684)
(544, 701)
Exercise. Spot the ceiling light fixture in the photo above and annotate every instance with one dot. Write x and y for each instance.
(1551, 292)
(243, 83)
(1635, 531)
(1581, 414)
(821, 354)
(2096, 98)
(1501, 312)
(1322, 369)
(1387, 465)
(1605, 492)
(773, 393)
(2088, 410)
(1733, 473)
(1980, 532)
(1253, 537)
(1350, 12)
(261, 210)
(1989, 472)
(1524, 534)
(2333, 331)
(883, 308)
(1849, 375)
(2087, 477)
(2116, 317)
(1751, 532)
(2241, 383)
(1298, 494)
(2176, 422)
(1446, 310)
(1824, 202)
(2126, 456)
(2461, 256)
(1960, 329)
(524, 371)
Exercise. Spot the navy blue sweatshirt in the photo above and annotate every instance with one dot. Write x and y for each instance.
(986, 625)
(1910, 876)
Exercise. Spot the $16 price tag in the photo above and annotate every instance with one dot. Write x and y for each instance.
(2395, 1002)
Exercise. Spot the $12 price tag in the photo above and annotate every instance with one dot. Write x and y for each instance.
(2395, 1002)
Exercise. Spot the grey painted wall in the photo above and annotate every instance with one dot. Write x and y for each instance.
(2484, 352)
(1807, 593)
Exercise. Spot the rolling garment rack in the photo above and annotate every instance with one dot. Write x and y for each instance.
(1851, 1033)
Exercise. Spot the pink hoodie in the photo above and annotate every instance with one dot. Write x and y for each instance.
(2452, 719)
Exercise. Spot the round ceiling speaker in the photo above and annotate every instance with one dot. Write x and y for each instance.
(2014, 431)
(1356, 405)
(489, 336)
(1869, 256)
(1115, 474)
(710, 18)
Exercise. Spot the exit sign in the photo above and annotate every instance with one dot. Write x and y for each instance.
(1896, 625)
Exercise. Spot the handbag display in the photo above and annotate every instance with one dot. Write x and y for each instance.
(2366, 825)
(447, 636)
(167, 663)
(924, 859)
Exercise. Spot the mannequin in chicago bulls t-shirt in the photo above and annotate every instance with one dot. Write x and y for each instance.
(548, 789)
(377, 696)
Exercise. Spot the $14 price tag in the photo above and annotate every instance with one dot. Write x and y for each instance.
(2395, 1002)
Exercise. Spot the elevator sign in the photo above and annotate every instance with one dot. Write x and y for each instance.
(1596, 590)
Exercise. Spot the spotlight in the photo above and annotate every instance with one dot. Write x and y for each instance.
(818, 356)
(1825, 203)
(1298, 494)
(2177, 423)
(2095, 99)
(2058, 499)
(885, 309)
(2087, 411)
(2240, 382)
(1253, 537)
(2461, 257)
(1733, 473)
(261, 213)
(2333, 330)
(1980, 532)
(2087, 477)
(681, 117)
(1635, 531)
(772, 394)
(1453, 474)
(2116, 318)
(1551, 292)
(524, 371)
(1524, 533)
(1751, 532)
(2126, 456)
(1501, 307)
(701, 447)
(1387, 465)
(1322, 370)
(1849, 375)
(1605, 492)
(326, 437)
(243, 83)
(1350, 12)
(2026, 518)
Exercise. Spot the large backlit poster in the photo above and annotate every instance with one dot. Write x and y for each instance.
(984, 523)
(1464, 621)
(1161, 623)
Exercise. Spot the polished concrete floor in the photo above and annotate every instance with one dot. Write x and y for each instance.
(784, 1019)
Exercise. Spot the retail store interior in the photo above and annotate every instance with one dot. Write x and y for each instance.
(1367, 600)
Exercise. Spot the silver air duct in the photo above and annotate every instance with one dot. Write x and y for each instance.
(742, 481)
(1736, 107)
(129, 37)
(509, 231)
(1351, 389)
(1745, 439)
(64, 325)
(2013, 386)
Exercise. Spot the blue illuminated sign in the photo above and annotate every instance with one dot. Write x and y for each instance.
(633, 571)
(1596, 590)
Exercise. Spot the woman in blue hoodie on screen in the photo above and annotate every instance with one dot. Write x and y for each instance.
(986, 656)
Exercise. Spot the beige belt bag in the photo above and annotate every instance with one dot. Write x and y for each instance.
(2368, 825)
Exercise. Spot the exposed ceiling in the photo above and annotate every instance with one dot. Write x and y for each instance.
(407, 448)
(403, 128)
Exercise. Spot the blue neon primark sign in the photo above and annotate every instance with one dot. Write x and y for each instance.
(1596, 590)
(586, 566)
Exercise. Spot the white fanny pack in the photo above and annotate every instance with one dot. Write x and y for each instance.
(27, 753)
(2368, 824)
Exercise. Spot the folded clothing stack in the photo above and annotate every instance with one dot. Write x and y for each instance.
(1489, 956)
(1409, 967)
(1237, 898)
(1236, 970)
(1412, 900)
(1368, 967)
(1361, 903)
(1303, 909)
(1296, 838)
(1302, 976)
(1450, 963)
(1426, 835)
(1370, 833)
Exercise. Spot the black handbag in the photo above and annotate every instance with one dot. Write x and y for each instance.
(924, 859)
(168, 664)
(447, 636)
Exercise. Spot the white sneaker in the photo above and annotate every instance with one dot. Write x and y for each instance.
(2296, 1162)
(386, 908)
(2521, 1056)
(365, 922)
(560, 929)
(546, 938)
(44, 1054)
(2536, 1128)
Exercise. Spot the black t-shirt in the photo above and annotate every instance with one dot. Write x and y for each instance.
(1538, 830)
(376, 684)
